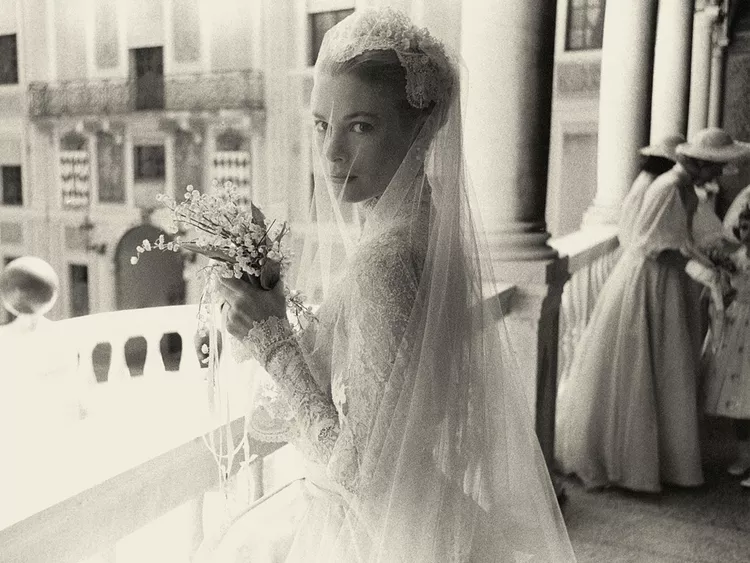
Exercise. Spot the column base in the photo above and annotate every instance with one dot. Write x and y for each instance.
(519, 243)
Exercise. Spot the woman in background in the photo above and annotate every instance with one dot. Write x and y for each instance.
(658, 158)
(627, 410)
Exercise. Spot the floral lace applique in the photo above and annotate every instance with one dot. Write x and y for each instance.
(273, 344)
(429, 75)
(368, 331)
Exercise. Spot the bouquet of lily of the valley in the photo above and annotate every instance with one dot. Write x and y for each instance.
(238, 238)
(241, 243)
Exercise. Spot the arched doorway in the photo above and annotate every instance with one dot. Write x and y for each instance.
(156, 280)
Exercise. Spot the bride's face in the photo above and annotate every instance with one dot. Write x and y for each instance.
(359, 133)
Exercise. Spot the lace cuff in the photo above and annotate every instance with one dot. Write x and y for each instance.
(265, 336)
(273, 344)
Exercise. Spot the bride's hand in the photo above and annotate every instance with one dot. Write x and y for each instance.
(248, 302)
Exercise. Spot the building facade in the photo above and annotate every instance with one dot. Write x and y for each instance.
(693, 64)
(103, 105)
(106, 103)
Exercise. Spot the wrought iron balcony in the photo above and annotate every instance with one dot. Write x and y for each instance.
(188, 92)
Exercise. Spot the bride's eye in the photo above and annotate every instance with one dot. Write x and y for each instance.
(361, 127)
(320, 126)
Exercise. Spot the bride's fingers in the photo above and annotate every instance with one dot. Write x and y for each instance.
(239, 320)
(236, 285)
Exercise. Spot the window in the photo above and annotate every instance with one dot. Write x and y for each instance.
(11, 185)
(110, 168)
(74, 170)
(8, 60)
(148, 71)
(78, 275)
(321, 22)
(585, 25)
(149, 162)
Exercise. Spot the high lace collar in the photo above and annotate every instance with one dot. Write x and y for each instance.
(368, 206)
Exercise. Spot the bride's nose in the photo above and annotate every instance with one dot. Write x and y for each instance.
(334, 147)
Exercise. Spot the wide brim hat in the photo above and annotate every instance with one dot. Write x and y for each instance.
(665, 147)
(714, 145)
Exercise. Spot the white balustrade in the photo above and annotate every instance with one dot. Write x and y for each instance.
(138, 461)
(591, 254)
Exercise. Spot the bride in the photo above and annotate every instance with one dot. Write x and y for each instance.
(403, 398)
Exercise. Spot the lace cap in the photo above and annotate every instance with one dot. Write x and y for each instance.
(429, 75)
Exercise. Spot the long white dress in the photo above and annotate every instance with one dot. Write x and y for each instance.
(632, 203)
(627, 410)
(336, 402)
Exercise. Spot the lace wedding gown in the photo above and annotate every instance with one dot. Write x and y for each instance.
(404, 399)
(328, 402)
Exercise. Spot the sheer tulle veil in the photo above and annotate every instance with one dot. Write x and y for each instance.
(451, 470)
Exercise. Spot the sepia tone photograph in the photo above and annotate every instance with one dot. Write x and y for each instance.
(374, 281)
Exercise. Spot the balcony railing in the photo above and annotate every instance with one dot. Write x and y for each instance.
(136, 471)
(75, 489)
(138, 460)
(189, 92)
(591, 254)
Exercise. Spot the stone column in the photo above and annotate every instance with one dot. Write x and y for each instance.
(700, 71)
(720, 42)
(671, 86)
(508, 48)
(624, 98)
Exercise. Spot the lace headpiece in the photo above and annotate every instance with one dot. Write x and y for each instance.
(429, 74)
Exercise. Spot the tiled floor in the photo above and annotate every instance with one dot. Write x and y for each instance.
(709, 524)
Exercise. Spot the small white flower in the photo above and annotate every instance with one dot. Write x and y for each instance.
(133, 260)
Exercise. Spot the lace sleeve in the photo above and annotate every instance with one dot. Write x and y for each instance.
(274, 345)
(339, 431)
